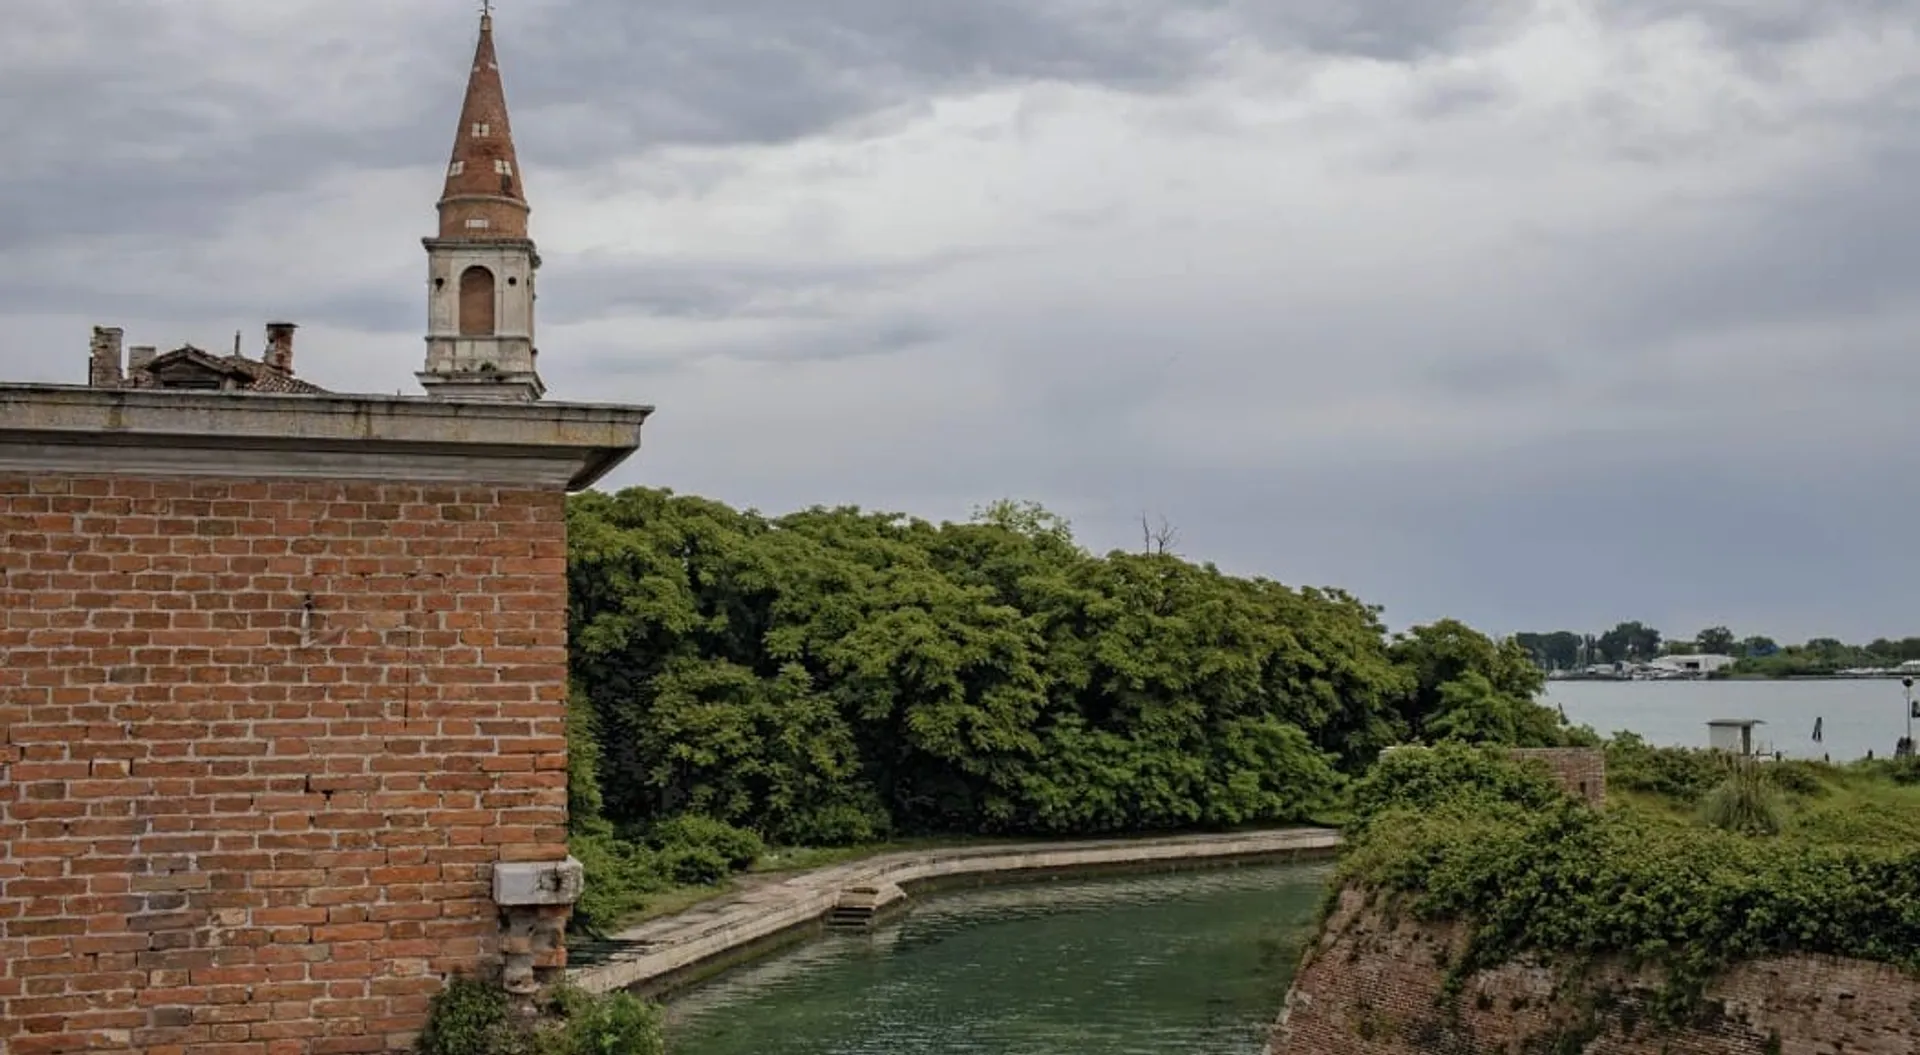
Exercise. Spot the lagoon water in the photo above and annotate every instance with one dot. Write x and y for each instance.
(1186, 964)
(1860, 714)
(1192, 963)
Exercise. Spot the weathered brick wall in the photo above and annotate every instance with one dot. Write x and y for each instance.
(1580, 770)
(1372, 986)
(230, 827)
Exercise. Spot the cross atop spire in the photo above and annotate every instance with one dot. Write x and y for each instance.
(483, 175)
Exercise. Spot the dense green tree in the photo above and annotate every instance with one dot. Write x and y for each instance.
(1469, 687)
(1716, 641)
(833, 675)
(1558, 650)
(1629, 642)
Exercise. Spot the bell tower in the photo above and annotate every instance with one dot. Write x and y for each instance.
(480, 268)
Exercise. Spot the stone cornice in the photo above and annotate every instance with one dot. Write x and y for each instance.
(74, 429)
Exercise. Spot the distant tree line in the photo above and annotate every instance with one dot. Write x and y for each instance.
(1636, 642)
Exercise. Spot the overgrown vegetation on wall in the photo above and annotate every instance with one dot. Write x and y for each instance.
(836, 677)
(1659, 877)
(475, 1017)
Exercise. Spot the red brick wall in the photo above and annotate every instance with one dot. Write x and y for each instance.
(1371, 986)
(223, 833)
(1580, 770)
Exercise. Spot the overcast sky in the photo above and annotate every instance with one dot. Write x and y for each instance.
(1536, 314)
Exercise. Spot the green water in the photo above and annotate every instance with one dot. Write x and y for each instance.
(1192, 963)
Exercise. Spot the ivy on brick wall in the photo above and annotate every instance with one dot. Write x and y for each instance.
(1464, 833)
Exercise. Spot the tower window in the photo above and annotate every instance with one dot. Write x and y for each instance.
(481, 130)
(476, 302)
(456, 168)
(503, 167)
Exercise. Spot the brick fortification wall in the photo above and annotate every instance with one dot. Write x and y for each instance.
(1372, 986)
(1582, 771)
(230, 826)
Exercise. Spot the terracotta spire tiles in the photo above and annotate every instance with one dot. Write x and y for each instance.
(483, 196)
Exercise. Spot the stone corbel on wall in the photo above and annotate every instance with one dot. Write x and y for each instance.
(535, 899)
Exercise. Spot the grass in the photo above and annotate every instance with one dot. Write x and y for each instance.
(1813, 803)
(782, 860)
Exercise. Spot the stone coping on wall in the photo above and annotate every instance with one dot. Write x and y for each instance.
(683, 942)
(77, 429)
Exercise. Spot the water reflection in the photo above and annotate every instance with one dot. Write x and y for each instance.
(1184, 964)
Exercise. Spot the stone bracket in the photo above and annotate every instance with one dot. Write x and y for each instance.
(520, 884)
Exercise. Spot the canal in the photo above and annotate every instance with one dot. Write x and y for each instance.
(1192, 963)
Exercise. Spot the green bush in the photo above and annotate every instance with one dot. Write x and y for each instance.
(619, 876)
(1744, 801)
(471, 1017)
(475, 1017)
(1566, 879)
(694, 865)
(1902, 771)
(841, 824)
(617, 1023)
(1677, 773)
(1800, 777)
(1426, 777)
(738, 847)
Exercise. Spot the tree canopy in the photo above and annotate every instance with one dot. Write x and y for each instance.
(835, 675)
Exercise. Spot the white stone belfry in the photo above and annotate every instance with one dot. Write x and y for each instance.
(480, 268)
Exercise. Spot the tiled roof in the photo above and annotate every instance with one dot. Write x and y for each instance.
(235, 372)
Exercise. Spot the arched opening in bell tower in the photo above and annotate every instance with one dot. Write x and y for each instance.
(476, 302)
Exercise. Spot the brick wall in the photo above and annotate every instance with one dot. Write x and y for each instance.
(1580, 770)
(228, 826)
(1372, 986)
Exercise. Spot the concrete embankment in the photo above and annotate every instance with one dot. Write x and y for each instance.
(663, 954)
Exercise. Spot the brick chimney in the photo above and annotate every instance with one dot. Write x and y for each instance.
(103, 358)
(139, 356)
(280, 346)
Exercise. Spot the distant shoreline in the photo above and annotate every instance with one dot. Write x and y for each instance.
(1734, 677)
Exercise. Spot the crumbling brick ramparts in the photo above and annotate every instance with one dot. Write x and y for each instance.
(1582, 771)
(261, 744)
(1372, 985)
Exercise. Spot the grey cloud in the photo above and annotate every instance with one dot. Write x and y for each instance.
(1775, 491)
(691, 288)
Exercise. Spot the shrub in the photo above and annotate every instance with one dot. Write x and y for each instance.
(738, 847)
(1691, 899)
(1674, 772)
(471, 1017)
(1744, 801)
(617, 1023)
(619, 876)
(1425, 777)
(694, 865)
(1800, 778)
(841, 824)
(474, 1017)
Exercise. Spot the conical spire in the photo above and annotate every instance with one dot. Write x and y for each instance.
(483, 197)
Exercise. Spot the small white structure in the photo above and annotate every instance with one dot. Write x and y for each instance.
(1734, 735)
(1703, 664)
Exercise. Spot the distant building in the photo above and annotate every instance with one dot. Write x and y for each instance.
(187, 368)
(1703, 664)
(1734, 735)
